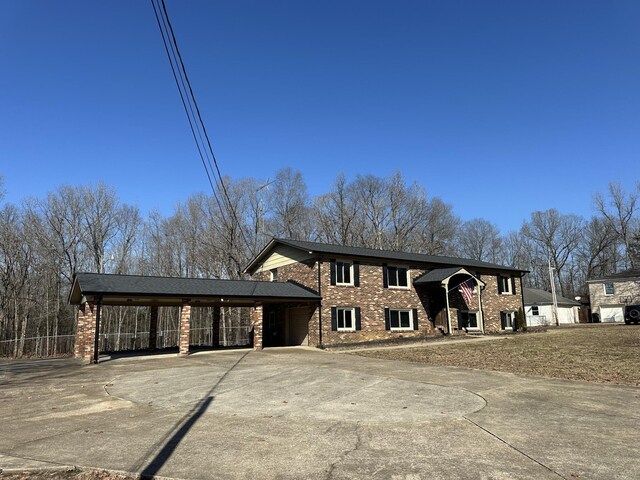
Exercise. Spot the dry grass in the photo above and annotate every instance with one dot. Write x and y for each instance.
(598, 353)
(71, 474)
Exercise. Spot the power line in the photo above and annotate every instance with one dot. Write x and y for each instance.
(189, 102)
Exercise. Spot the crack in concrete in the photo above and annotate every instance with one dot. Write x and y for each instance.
(513, 447)
(357, 446)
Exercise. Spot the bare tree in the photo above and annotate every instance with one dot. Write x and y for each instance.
(289, 205)
(480, 239)
(557, 238)
(620, 211)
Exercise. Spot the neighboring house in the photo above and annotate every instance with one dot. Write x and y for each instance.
(368, 294)
(539, 308)
(609, 295)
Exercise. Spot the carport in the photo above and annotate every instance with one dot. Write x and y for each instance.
(288, 307)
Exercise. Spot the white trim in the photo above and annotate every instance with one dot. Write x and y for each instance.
(477, 314)
(509, 290)
(344, 284)
(353, 319)
(604, 288)
(399, 287)
(401, 329)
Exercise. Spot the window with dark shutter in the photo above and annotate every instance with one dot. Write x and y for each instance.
(358, 321)
(387, 319)
(385, 276)
(334, 319)
(415, 319)
(356, 274)
(333, 272)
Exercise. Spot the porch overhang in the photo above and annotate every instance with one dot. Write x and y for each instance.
(442, 276)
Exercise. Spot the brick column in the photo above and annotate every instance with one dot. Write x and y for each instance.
(85, 332)
(153, 328)
(185, 323)
(215, 327)
(256, 321)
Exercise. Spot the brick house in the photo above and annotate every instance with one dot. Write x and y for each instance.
(609, 295)
(369, 294)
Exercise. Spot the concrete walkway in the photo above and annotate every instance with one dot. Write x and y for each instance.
(298, 413)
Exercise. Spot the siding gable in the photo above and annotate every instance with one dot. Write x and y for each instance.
(284, 255)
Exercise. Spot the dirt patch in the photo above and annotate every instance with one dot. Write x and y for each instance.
(71, 474)
(607, 354)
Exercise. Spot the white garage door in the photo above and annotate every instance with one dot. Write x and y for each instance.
(611, 314)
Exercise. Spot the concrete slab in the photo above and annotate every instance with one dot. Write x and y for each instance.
(300, 413)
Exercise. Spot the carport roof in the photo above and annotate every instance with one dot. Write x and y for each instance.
(136, 288)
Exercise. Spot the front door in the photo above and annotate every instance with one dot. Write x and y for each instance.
(441, 320)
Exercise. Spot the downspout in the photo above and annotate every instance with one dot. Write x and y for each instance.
(96, 340)
(320, 305)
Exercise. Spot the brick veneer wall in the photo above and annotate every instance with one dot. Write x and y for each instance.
(372, 298)
(493, 302)
(85, 332)
(185, 324)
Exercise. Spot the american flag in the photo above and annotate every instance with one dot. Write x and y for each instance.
(466, 289)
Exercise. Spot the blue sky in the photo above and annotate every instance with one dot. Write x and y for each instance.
(500, 108)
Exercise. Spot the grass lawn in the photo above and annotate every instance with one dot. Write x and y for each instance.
(595, 353)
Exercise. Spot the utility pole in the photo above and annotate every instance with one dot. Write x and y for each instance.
(553, 294)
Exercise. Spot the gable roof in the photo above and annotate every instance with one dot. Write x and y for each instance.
(631, 274)
(101, 284)
(372, 253)
(536, 296)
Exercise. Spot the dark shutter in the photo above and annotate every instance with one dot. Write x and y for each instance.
(513, 285)
(499, 284)
(385, 280)
(415, 319)
(333, 272)
(334, 319)
(387, 319)
(358, 323)
(356, 274)
(503, 320)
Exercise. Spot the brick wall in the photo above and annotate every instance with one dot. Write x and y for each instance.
(493, 302)
(85, 332)
(372, 298)
(622, 289)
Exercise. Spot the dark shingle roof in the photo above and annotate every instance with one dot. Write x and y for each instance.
(437, 275)
(137, 285)
(341, 250)
(625, 275)
(542, 297)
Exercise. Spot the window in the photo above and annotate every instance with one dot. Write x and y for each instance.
(506, 285)
(345, 319)
(609, 289)
(273, 275)
(343, 273)
(401, 319)
(535, 310)
(468, 320)
(506, 319)
(397, 277)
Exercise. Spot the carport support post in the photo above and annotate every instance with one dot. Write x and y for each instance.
(84, 332)
(256, 321)
(153, 327)
(185, 323)
(96, 338)
(215, 327)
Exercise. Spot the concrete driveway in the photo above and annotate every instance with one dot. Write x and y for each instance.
(301, 413)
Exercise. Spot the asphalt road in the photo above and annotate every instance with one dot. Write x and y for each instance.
(301, 413)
